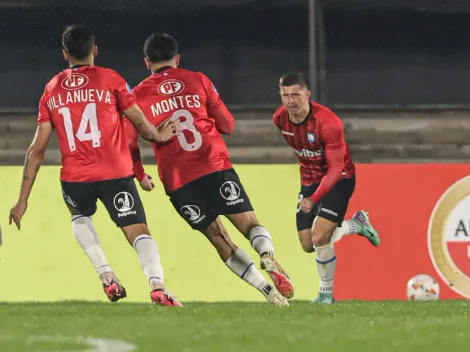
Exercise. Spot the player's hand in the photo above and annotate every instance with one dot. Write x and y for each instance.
(306, 205)
(17, 212)
(146, 184)
(168, 129)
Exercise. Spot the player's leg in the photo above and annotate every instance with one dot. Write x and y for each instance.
(325, 257)
(261, 241)
(191, 204)
(80, 199)
(363, 227)
(330, 213)
(122, 200)
(148, 253)
(305, 223)
(359, 223)
(230, 199)
(239, 262)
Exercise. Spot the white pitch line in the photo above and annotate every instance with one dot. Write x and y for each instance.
(91, 344)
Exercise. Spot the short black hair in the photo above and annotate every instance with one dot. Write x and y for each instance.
(160, 47)
(294, 78)
(78, 40)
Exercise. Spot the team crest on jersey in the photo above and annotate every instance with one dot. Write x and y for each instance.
(170, 87)
(74, 81)
(311, 137)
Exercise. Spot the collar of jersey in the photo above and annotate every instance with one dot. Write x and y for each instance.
(78, 66)
(161, 69)
(306, 118)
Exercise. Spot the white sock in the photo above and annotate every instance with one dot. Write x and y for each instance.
(326, 264)
(149, 259)
(261, 240)
(242, 266)
(85, 233)
(348, 227)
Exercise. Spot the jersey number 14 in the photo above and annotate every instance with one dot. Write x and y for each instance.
(89, 119)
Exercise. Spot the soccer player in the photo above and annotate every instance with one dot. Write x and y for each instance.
(327, 175)
(84, 104)
(195, 166)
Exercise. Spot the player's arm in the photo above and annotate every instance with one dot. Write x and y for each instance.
(224, 121)
(33, 161)
(132, 139)
(139, 172)
(126, 102)
(149, 132)
(216, 108)
(335, 151)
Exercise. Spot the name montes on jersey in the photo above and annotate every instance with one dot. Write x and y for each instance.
(79, 96)
(174, 103)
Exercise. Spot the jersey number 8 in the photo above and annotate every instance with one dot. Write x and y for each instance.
(188, 125)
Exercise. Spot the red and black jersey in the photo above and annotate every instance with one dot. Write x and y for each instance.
(320, 146)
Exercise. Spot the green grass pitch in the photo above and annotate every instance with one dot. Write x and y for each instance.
(235, 327)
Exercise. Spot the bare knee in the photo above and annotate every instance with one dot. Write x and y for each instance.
(308, 247)
(305, 239)
(220, 239)
(244, 222)
(321, 238)
(133, 231)
(322, 231)
(216, 231)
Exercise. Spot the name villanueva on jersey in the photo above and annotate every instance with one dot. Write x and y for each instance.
(79, 96)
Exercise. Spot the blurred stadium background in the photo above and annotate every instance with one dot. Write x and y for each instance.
(397, 72)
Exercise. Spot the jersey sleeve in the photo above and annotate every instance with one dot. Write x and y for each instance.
(212, 96)
(141, 93)
(124, 96)
(277, 118)
(132, 140)
(333, 133)
(131, 132)
(217, 109)
(335, 151)
(44, 114)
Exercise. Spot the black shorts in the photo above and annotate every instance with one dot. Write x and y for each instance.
(119, 196)
(201, 201)
(332, 206)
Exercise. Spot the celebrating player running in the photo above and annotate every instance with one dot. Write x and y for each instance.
(195, 166)
(328, 177)
(84, 105)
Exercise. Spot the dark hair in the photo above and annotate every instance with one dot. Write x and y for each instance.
(294, 78)
(160, 47)
(78, 40)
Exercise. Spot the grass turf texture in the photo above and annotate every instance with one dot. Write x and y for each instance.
(351, 326)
